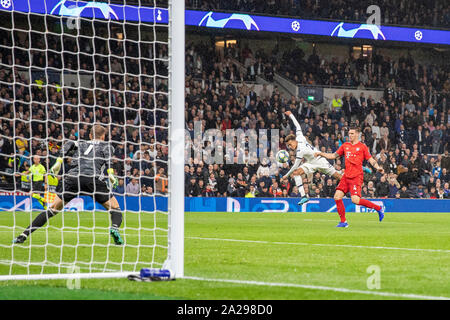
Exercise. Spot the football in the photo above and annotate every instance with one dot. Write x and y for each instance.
(282, 156)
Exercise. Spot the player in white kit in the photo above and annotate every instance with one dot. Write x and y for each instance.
(304, 150)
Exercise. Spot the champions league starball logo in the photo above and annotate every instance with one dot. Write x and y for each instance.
(295, 25)
(418, 35)
(5, 3)
(63, 9)
(375, 30)
(221, 23)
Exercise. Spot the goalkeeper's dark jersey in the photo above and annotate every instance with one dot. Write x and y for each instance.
(89, 158)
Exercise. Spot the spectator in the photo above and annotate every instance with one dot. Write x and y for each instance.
(251, 192)
(446, 190)
(382, 189)
(295, 193)
(394, 185)
(264, 193)
(133, 187)
(161, 181)
(231, 189)
(404, 193)
(120, 189)
(202, 188)
(222, 183)
(192, 189)
(275, 190)
(436, 171)
(329, 188)
(148, 191)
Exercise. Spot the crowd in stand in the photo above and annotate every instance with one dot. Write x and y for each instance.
(409, 122)
(373, 70)
(431, 13)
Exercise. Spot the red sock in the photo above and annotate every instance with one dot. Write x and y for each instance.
(368, 204)
(341, 209)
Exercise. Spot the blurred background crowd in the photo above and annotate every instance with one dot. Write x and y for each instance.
(121, 85)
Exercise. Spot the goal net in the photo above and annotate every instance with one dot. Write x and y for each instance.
(65, 66)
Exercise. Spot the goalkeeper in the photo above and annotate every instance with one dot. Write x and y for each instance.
(89, 159)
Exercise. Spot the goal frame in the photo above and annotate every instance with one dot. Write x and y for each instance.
(176, 126)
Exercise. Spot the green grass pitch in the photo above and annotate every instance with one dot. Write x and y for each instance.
(241, 256)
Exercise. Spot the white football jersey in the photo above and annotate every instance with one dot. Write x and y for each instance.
(305, 150)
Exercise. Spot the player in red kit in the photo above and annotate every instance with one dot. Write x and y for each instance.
(354, 152)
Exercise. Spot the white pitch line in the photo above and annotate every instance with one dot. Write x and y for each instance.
(319, 244)
(102, 233)
(323, 288)
(279, 243)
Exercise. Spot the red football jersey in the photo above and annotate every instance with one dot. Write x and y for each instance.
(354, 155)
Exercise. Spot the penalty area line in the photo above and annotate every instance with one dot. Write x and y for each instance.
(323, 288)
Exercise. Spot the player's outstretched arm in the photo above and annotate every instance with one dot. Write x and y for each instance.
(330, 156)
(294, 167)
(294, 120)
(375, 164)
(298, 128)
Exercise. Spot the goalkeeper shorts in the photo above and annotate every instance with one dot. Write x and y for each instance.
(73, 187)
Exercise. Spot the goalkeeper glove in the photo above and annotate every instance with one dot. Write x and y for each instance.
(57, 166)
(112, 178)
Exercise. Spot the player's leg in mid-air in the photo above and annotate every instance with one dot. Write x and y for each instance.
(354, 187)
(306, 169)
(72, 187)
(355, 190)
(297, 174)
(41, 219)
(116, 219)
(368, 204)
(102, 195)
(337, 176)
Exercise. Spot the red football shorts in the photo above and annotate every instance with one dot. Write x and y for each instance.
(352, 185)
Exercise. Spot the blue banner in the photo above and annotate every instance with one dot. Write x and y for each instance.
(99, 10)
(129, 203)
(223, 20)
(199, 204)
(314, 205)
(315, 27)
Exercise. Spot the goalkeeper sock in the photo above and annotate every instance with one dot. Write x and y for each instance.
(39, 221)
(368, 204)
(116, 218)
(299, 183)
(341, 209)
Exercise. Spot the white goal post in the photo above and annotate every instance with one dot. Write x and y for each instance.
(176, 131)
(78, 237)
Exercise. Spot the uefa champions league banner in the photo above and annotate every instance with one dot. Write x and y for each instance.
(206, 204)
(314, 205)
(84, 203)
(221, 20)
